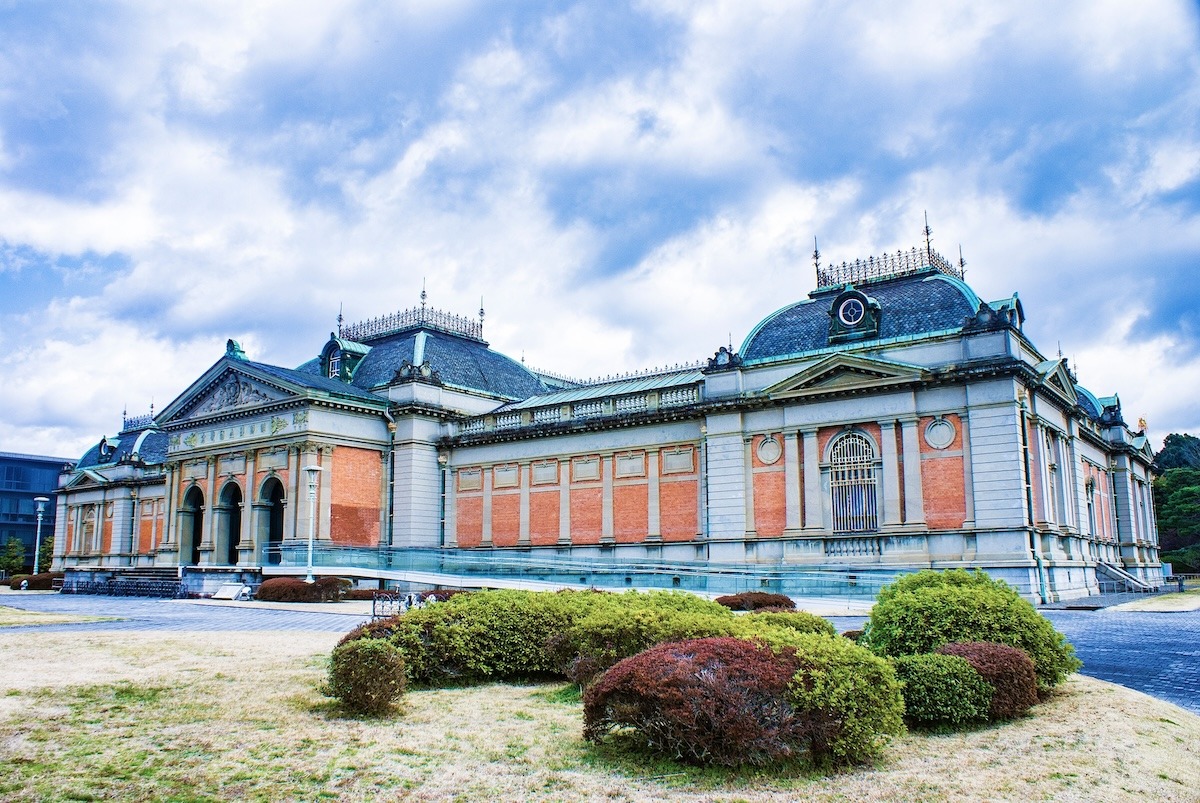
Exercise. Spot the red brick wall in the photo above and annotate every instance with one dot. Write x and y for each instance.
(355, 485)
(543, 517)
(506, 518)
(678, 512)
(468, 521)
(942, 479)
(586, 513)
(770, 506)
(107, 531)
(630, 512)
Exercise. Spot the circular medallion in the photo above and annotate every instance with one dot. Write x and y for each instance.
(940, 433)
(769, 450)
(851, 312)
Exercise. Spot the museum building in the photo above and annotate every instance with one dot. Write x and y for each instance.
(890, 421)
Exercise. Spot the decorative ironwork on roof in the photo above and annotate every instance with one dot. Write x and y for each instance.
(901, 263)
(417, 317)
(132, 422)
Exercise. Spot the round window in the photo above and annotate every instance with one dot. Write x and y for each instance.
(769, 450)
(940, 433)
(851, 312)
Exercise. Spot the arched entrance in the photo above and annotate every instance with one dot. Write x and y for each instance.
(230, 534)
(191, 527)
(271, 521)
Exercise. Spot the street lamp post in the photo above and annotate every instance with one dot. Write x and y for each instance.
(312, 472)
(37, 541)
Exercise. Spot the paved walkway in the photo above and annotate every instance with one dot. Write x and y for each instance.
(1155, 653)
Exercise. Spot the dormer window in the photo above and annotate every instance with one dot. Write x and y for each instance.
(335, 365)
(853, 316)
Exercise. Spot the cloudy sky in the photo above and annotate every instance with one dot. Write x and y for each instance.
(625, 185)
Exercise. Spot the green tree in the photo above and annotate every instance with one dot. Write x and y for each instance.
(47, 555)
(12, 559)
(1177, 507)
(1179, 451)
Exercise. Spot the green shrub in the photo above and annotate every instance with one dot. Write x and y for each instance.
(753, 600)
(709, 701)
(608, 634)
(800, 621)
(942, 690)
(923, 616)
(493, 635)
(367, 675)
(849, 696)
(933, 578)
(1007, 670)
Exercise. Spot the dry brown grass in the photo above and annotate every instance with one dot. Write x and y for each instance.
(14, 617)
(1164, 603)
(204, 716)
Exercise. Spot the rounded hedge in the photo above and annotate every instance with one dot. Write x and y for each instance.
(800, 621)
(942, 691)
(709, 701)
(1008, 670)
(367, 675)
(753, 600)
(924, 614)
(292, 589)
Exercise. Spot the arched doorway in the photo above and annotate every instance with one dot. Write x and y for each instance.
(192, 527)
(231, 523)
(273, 500)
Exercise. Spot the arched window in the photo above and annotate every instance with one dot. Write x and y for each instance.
(852, 484)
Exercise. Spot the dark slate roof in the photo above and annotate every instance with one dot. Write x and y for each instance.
(1088, 401)
(314, 381)
(909, 306)
(462, 362)
(150, 443)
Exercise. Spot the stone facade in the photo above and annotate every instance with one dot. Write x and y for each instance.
(892, 422)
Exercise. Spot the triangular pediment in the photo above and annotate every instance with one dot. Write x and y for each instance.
(845, 372)
(225, 388)
(1056, 377)
(85, 478)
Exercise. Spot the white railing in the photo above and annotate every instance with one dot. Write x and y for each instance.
(679, 396)
(588, 409)
(508, 421)
(631, 404)
(547, 415)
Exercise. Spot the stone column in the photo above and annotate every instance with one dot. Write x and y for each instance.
(524, 478)
(451, 517)
(891, 473)
(210, 505)
(748, 483)
(653, 516)
(813, 518)
(968, 472)
(914, 504)
(564, 502)
(606, 505)
(791, 479)
(248, 546)
(486, 539)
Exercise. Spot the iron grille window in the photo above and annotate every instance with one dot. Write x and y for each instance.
(852, 485)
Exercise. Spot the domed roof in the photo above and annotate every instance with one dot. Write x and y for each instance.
(461, 362)
(909, 305)
(149, 444)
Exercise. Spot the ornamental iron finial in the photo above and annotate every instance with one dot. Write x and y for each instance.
(962, 264)
(928, 240)
(481, 313)
(816, 257)
(424, 295)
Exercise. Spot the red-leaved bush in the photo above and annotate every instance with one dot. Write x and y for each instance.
(755, 600)
(291, 589)
(1006, 669)
(712, 700)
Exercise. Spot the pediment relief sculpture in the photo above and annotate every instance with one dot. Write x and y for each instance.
(233, 391)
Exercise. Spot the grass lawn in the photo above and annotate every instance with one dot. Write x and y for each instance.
(238, 716)
(12, 617)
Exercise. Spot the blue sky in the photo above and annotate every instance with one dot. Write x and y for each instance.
(625, 184)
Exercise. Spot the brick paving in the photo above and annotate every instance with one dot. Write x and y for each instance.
(1155, 653)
